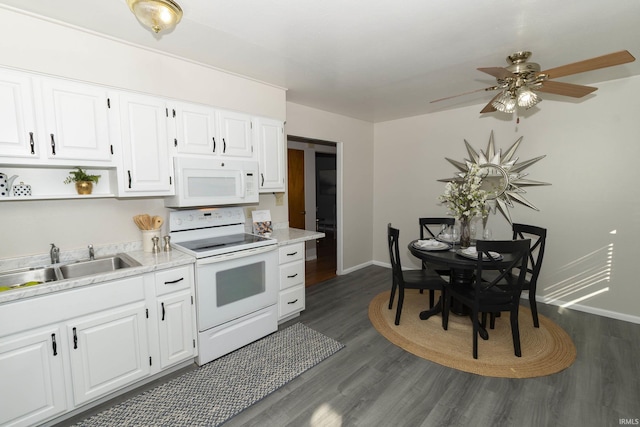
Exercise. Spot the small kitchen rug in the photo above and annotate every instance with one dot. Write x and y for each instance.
(215, 392)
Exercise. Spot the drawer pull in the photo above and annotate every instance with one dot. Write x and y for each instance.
(292, 276)
(293, 302)
(54, 344)
(293, 253)
(174, 281)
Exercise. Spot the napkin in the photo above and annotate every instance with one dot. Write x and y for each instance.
(427, 244)
(471, 250)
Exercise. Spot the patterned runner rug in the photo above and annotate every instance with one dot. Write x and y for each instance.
(215, 392)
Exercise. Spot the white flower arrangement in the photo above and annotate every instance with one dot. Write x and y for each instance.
(465, 199)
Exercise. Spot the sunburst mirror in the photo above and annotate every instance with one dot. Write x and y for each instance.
(502, 176)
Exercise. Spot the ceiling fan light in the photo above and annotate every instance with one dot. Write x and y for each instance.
(505, 103)
(527, 98)
(158, 15)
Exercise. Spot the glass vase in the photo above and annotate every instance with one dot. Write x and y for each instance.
(465, 233)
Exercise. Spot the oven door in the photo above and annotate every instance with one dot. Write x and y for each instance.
(232, 285)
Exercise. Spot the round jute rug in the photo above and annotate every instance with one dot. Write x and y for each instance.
(545, 350)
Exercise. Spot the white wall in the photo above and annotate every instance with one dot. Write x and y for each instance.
(36, 45)
(355, 157)
(591, 209)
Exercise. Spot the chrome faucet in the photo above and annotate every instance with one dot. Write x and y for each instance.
(92, 255)
(55, 254)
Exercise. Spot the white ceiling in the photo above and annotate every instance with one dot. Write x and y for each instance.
(375, 60)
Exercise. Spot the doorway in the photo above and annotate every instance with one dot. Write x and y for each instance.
(318, 178)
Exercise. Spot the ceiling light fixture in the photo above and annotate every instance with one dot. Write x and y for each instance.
(159, 15)
(511, 98)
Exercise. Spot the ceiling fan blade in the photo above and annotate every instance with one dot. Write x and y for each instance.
(498, 72)
(566, 89)
(603, 61)
(486, 89)
(490, 108)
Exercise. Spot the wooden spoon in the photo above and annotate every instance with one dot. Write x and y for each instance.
(146, 219)
(157, 222)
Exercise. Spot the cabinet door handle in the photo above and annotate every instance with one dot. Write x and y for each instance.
(162, 304)
(54, 345)
(292, 276)
(75, 339)
(224, 145)
(293, 302)
(292, 254)
(53, 145)
(174, 281)
(129, 173)
(262, 175)
(214, 144)
(31, 143)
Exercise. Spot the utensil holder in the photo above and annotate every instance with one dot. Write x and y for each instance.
(147, 239)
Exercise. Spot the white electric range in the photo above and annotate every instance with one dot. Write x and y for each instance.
(236, 278)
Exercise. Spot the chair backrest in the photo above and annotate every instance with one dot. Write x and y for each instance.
(538, 236)
(393, 234)
(516, 255)
(426, 232)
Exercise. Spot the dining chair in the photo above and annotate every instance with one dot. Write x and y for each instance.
(495, 295)
(427, 233)
(538, 237)
(410, 279)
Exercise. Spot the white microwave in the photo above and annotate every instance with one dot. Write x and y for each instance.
(209, 182)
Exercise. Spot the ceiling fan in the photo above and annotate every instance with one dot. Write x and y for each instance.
(519, 82)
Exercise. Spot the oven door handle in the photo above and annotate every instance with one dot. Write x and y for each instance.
(235, 255)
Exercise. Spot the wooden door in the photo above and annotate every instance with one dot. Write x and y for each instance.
(295, 163)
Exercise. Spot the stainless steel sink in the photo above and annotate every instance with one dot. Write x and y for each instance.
(28, 277)
(97, 266)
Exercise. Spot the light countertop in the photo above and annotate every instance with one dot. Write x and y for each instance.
(149, 262)
(287, 236)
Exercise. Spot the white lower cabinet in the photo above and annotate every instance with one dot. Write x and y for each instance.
(65, 349)
(291, 299)
(32, 374)
(176, 315)
(108, 350)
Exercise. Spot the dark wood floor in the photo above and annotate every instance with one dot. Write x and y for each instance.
(324, 266)
(371, 382)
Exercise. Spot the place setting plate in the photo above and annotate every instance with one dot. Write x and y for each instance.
(472, 254)
(434, 245)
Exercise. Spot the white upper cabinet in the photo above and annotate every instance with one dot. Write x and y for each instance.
(196, 129)
(235, 131)
(76, 121)
(146, 168)
(18, 133)
(269, 139)
(48, 121)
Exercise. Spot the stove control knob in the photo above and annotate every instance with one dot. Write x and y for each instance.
(178, 221)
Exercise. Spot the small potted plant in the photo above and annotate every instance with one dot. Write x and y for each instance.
(84, 182)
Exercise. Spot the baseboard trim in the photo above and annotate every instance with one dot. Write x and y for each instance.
(355, 268)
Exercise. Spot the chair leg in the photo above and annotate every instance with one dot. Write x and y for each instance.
(534, 309)
(400, 301)
(515, 332)
(446, 301)
(483, 322)
(431, 297)
(492, 321)
(393, 293)
(476, 327)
